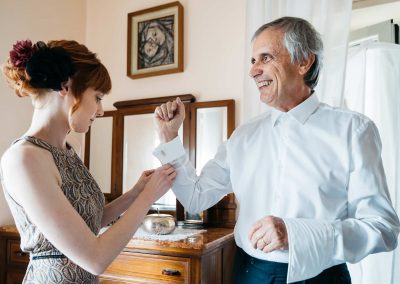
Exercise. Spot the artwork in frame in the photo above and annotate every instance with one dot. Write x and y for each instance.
(155, 41)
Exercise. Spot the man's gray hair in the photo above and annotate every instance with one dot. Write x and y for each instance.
(301, 40)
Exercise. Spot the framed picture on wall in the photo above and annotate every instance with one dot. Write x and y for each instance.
(155, 41)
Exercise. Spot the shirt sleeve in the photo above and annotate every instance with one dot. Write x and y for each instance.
(196, 193)
(371, 225)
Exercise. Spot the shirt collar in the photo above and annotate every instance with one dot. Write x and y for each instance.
(301, 112)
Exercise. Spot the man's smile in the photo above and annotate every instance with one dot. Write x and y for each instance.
(263, 83)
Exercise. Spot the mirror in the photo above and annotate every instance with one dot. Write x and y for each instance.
(211, 131)
(140, 139)
(99, 152)
(213, 123)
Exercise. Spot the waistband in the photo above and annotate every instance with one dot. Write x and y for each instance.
(46, 256)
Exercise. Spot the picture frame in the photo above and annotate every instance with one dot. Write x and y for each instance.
(155, 41)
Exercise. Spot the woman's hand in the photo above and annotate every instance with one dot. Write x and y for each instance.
(142, 181)
(160, 181)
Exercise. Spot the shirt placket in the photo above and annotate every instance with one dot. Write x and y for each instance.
(282, 151)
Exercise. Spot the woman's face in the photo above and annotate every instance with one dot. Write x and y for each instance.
(89, 108)
(155, 35)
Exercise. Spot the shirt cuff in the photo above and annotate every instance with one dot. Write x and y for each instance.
(169, 151)
(311, 247)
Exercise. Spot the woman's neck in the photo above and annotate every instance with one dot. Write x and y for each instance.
(49, 126)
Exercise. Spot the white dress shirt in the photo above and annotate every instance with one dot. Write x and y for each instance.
(317, 167)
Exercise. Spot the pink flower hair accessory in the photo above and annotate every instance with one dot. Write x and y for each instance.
(21, 53)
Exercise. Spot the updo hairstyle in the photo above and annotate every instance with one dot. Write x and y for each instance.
(33, 70)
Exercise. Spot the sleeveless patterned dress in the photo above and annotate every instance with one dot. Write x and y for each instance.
(47, 264)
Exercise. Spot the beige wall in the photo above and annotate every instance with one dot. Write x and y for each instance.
(36, 20)
(214, 47)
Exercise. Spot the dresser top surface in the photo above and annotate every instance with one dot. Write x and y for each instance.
(200, 243)
(204, 241)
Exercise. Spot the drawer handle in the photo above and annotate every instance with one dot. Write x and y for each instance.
(21, 253)
(170, 272)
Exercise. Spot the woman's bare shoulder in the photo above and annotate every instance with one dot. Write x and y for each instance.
(22, 161)
(23, 153)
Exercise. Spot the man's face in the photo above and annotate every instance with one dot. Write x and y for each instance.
(277, 79)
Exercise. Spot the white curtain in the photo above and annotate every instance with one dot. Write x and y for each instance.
(372, 87)
(332, 21)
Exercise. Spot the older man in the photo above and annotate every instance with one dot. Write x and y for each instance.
(308, 177)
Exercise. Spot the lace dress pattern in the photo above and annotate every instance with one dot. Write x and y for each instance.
(47, 264)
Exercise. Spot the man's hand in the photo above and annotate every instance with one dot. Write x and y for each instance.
(168, 119)
(269, 234)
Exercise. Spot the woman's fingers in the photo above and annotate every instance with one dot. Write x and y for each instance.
(172, 176)
(148, 172)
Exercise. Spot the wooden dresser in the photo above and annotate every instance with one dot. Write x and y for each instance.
(203, 258)
(13, 261)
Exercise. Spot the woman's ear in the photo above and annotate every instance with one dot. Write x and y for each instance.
(65, 88)
(306, 64)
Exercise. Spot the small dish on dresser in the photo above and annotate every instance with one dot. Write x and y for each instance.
(159, 224)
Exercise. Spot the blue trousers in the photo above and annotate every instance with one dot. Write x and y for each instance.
(250, 270)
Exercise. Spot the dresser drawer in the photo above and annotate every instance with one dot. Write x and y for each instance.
(15, 255)
(143, 268)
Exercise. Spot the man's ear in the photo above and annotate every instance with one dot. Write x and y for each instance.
(305, 65)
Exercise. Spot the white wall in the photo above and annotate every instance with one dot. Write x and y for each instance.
(36, 20)
(375, 14)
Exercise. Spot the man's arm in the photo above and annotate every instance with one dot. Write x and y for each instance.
(371, 225)
(196, 193)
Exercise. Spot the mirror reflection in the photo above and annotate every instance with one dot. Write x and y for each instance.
(101, 152)
(211, 131)
(140, 139)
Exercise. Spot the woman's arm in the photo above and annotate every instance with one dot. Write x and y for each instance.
(32, 179)
(118, 206)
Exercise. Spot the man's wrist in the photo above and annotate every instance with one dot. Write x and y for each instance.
(167, 136)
